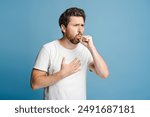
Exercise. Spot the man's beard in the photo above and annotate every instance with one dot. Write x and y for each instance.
(76, 39)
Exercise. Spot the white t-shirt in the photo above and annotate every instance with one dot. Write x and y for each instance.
(72, 87)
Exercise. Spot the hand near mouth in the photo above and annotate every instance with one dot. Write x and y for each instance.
(87, 41)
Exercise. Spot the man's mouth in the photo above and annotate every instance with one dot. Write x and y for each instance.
(78, 36)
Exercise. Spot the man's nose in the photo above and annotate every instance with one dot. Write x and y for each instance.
(80, 29)
(80, 33)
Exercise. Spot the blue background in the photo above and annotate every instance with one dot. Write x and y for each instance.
(120, 30)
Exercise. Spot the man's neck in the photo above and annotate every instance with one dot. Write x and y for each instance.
(67, 44)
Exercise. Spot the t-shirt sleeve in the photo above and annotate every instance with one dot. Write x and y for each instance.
(42, 60)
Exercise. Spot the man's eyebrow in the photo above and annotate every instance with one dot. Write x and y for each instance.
(79, 24)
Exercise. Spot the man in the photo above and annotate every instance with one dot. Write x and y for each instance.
(61, 65)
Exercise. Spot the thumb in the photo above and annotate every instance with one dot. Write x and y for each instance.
(63, 60)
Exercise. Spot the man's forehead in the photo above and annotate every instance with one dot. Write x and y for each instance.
(76, 19)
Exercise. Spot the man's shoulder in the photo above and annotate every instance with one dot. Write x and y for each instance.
(49, 44)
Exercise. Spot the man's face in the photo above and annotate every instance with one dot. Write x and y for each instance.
(74, 29)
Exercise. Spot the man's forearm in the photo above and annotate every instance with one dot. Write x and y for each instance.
(45, 80)
(99, 63)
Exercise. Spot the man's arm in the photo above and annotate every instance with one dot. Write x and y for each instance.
(98, 65)
(40, 79)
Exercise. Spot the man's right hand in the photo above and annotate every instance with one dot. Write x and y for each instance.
(71, 68)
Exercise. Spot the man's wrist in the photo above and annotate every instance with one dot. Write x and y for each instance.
(91, 48)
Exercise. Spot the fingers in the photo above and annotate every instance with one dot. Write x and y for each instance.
(75, 64)
(76, 70)
(74, 61)
(86, 38)
(63, 60)
(76, 67)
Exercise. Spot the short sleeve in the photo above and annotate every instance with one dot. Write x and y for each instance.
(42, 60)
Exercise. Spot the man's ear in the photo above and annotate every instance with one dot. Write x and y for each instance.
(63, 28)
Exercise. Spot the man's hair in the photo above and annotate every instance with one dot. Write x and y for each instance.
(74, 11)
